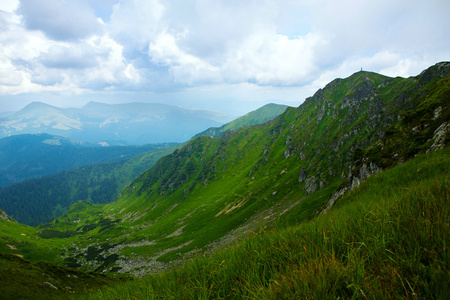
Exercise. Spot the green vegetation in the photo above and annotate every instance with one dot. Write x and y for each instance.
(261, 115)
(34, 155)
(20, 279)
(43, 199)
(386, 239)
(247, 214)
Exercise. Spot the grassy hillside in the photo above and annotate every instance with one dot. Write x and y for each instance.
(261, 115)
(211, 191)
(388, 238)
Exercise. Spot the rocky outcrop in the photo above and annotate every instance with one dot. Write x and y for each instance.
(357, 175)
(5, 216)
(311, 185)
(439, 137)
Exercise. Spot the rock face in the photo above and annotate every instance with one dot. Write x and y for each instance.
(367, 169)
(439, 137)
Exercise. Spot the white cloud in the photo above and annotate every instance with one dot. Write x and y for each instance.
(175, 46)
(31, 61)
(186, 68)
(112, 68)
(268, 58)
(135, 23)
(9, 6)
(60, 19)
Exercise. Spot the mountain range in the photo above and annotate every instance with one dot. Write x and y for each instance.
(345, 196)
(92, 173)
(112, 124)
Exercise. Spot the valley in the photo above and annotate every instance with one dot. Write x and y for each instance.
(316, 200)
(48, 197)
(35, 155)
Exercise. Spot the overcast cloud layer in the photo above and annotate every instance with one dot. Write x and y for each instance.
(224, 55)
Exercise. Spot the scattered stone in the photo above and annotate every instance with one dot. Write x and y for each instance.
(437, 113)
(50, 285)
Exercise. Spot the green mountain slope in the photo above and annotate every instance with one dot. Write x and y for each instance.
(37, 201)
(261, 115)
(211, 191)
(385, 239)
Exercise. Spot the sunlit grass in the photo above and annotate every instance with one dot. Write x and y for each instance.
(386, 239)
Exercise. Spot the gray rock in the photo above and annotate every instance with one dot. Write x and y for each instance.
(333, 199)
(365, 171)
(302, 175)
(310, 185)
(439, 137)
(5, 216)
(437, 113)
(50, 285)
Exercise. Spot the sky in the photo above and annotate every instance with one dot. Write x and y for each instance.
(224, 55)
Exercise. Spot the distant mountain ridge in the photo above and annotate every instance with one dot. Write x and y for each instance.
(112, 124)
(261, 115)
(34, 155)
(39, 200)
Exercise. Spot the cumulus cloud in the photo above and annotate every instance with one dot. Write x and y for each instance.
(73, 56)
(32, 61)
(60, 19)
(234, 42)
(135, 23)
(264, 47)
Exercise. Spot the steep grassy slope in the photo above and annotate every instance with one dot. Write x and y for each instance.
(386, 239)
(261, 115)
(282, 172)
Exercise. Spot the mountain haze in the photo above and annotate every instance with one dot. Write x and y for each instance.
(119, 124)
(35, 155)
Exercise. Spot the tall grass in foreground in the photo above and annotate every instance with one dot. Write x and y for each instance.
(386, 239)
